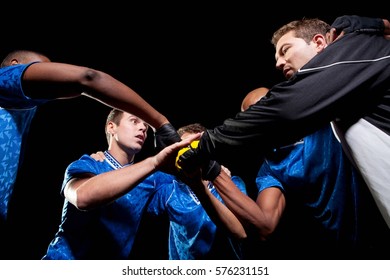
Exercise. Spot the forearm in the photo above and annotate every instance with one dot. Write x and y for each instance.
(106, 187)
(226, 218)
(251, 215)
(217, 211)
(116, 94)
(72, 81)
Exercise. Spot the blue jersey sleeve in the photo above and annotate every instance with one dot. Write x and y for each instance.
(11, 90)
(86, 164)
(265, 179)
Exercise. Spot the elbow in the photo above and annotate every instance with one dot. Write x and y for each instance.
(89, 78)
(240, 234)
(80, 205)
(78, 195)
(83, 204)
(91, 74)
(80, 202)
(263, 229)
(265, 232)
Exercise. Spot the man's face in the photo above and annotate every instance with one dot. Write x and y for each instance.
(292, 53)
(131, 132)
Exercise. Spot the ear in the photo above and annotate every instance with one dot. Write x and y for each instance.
(14, 61)
(110, 128)
(320, 42)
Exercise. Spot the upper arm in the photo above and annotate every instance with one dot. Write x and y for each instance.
(50, 80)
(71, 187)
(272, 203)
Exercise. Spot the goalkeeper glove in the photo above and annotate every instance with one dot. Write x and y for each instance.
(165, 136)
(188, 161)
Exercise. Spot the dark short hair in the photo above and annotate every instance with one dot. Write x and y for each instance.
(191, 128)
(304, 28)
(20, 55)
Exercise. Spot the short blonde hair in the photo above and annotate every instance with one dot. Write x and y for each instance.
(304, 28)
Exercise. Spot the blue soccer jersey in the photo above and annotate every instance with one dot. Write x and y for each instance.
(191, 231)
(106, 232)
(16, 114)
(317, 173)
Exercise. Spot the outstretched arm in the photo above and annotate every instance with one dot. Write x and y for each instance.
(50, 80)
(93, 190)
(263, 216)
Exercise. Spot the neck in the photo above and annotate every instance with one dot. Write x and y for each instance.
(121, 157)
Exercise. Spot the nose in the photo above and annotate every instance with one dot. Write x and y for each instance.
(280, 62)
(144, 126)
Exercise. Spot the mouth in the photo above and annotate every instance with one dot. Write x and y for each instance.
(141, 138)
(287, 73)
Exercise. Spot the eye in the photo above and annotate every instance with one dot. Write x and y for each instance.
(285, 49)
(134, 120)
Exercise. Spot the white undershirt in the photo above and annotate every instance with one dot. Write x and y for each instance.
(370, 148)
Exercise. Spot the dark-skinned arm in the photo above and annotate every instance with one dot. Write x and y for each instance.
(50, 80)
(263, 215)
(218, 212)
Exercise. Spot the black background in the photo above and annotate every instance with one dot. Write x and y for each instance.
(193, 63)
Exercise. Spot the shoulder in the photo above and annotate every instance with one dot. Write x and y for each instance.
(11, 78)
(13, 72)
(12, 93)
(86, 164)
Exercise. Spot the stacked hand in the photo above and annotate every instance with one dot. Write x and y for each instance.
(189, 162)
(165, 159)
(186, 160)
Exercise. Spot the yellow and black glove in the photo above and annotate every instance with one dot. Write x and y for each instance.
(188, 161)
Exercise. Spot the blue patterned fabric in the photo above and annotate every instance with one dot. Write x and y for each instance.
(16, 114)
(191, 231)
(107, 232)
(317, 173)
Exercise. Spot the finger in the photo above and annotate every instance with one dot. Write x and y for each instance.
(187, 141)
(331, 35)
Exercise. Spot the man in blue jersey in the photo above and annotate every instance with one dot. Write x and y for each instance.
(105, 200)
(194, 231)
(29, 79)
(337, 214)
